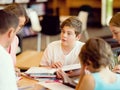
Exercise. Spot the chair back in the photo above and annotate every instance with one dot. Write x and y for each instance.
(50, 25)
(83, 16)
(35, 22)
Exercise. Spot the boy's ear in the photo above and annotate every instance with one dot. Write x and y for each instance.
(10, 32)
(78, 37)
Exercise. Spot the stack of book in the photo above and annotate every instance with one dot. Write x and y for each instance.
(46, 72)
(41, 72)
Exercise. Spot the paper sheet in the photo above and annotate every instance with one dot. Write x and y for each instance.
(40, 70)
(55, 86)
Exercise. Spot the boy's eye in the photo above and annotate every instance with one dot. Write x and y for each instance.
(69, 33)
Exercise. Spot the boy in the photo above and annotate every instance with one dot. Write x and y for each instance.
(8, 25)
(65, 51)
(20, 12)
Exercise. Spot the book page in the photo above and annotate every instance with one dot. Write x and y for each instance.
(51, 70)
(44, 70)
(71, 67)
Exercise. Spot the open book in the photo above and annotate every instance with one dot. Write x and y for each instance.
(49, 72)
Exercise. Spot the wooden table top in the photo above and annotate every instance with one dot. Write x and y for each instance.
(28, 59)
(28, 84)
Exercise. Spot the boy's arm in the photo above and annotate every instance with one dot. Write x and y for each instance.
(45, 60)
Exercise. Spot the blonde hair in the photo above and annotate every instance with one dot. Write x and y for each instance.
(115, 20)
(17, 9)
(97, 51)
(73, 22)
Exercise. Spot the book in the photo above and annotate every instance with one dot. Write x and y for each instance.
(49, 72)
(40, 72)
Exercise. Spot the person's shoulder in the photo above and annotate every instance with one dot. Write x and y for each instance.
(88, 77)
(86, 83)
(4, 54)
(54, 43)
(79, 44)
(118, 75)
(2, 50)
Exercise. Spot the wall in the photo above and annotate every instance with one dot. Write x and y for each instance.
(71, 7)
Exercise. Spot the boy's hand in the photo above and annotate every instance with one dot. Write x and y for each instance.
(57, 65)
(59, 74)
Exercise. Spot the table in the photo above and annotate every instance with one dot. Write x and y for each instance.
(29, 84)
(28, 59)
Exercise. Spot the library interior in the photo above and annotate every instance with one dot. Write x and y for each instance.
(44, 27)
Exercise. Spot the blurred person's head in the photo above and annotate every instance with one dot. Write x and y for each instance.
(8, 27)
(19, 11)
(96, 54)
(114, 25)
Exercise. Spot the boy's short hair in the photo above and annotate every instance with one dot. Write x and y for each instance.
(17, 9)
(73, 22)
(7, 20)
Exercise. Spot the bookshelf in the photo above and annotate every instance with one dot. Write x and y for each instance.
(26, 31)
(38, 5)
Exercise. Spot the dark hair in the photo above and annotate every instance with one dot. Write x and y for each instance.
(73, 22)
(17, 9)
(7, 20)
(97, 51)
(115, 20)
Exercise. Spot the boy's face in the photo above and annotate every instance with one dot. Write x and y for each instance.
(68, 36)
(10, 34)
(22, 20)
(13, 31)
(116, 32)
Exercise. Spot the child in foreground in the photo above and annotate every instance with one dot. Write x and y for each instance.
(96, 56)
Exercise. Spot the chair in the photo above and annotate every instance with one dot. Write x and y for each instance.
(35, 24)
(83, 16)
(50, 26)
